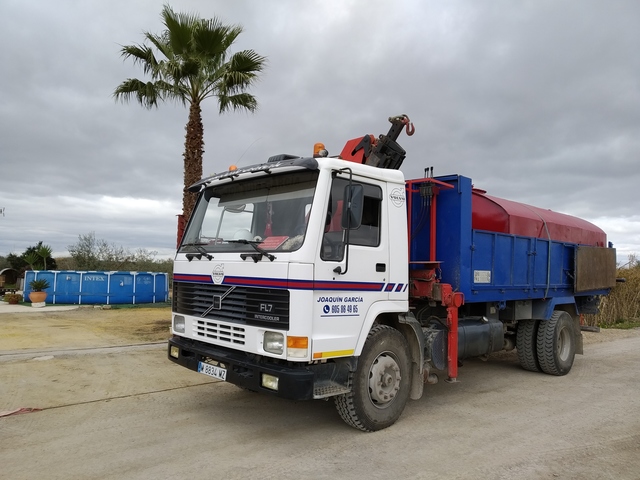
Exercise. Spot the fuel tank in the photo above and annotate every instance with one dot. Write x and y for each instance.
(476, 337)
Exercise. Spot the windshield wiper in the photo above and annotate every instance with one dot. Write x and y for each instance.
(255, 256)
(198, 247)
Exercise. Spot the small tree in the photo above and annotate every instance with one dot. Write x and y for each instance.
(38, 257)
(33, 260)
(85, 252)
(17, 262)
(66, 263)
(44, 252)
(98, 254)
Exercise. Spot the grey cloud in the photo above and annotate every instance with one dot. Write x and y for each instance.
(536, 101)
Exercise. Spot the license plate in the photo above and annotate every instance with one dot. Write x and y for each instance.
(212, 371)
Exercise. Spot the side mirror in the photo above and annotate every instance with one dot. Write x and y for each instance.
(352, 206)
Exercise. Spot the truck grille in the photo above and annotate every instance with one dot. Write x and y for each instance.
(216, 331)
(265, 307)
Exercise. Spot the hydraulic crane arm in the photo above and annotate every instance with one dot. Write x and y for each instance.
(385, 152)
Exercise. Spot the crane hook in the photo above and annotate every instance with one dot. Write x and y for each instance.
(409, 128)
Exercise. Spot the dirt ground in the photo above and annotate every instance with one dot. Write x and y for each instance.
(84, 355)
(125, 411)
(89, 327)
(84, 328)
(57, 358)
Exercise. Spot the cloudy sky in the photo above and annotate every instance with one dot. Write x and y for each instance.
(536, 101)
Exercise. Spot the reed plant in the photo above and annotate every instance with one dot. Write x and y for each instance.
(621, 308)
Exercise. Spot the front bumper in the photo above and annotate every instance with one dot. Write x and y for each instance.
(295, 383)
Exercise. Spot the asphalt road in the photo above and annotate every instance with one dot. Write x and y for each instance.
(131, 414)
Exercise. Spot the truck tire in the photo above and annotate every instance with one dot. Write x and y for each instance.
(526, 340)
(381, 383)
(557, 344)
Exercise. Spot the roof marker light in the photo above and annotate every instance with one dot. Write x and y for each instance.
(319, 150)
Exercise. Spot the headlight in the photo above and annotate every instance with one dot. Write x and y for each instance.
(269, 381)
(178, 323)
(273, 342)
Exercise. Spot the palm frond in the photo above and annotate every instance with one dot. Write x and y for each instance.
(146, 93)
(247, 61)
(141, 55)
(180, 27)
(240, 101)
(161, 42)
(212, 39)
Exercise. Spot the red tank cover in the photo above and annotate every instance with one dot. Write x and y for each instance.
(505, 216)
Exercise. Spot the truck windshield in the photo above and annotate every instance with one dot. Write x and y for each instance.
(270, 212)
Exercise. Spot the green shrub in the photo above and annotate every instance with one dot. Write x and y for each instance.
(12, 298)
(39, 285)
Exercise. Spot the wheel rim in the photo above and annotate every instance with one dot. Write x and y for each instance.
(564, 344)
(384, 380)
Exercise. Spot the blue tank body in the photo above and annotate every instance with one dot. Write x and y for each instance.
(498, 267)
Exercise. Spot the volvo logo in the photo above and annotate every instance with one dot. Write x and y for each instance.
(397, 197)
(218, 274)
(217, 302)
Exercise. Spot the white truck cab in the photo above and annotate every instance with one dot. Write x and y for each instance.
(272, 281)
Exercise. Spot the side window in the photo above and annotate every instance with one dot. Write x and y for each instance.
(367, 234)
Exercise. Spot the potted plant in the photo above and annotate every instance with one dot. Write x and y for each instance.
(12, 298)
(37, 286)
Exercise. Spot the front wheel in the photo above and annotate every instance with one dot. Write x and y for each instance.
(556, 344)
(380, 385)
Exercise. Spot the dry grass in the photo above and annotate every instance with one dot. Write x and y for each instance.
(84, 328)
(621, 308)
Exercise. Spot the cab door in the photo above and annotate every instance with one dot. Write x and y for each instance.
(352, 269)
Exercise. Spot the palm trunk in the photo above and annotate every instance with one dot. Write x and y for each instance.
(193, 150)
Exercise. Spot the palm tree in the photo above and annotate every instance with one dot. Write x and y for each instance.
(44, 251)
(189, 62)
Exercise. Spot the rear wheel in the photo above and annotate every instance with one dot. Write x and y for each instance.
(526, 340)
(380, 385)
(556, 344)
